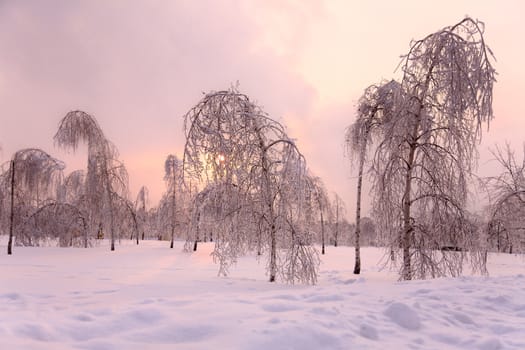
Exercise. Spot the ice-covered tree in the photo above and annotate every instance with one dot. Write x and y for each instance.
(375, 108)
(52, 222)
(72, 188)
(234, 146)
(427, 152)
(106, 183)
(30, 180)
(321, 205)
(141, 212)
(173, 178)
(506, 226)
(339, 211)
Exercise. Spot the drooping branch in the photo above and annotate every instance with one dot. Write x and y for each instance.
(427, 151)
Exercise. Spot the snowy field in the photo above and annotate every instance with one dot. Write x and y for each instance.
(153, 297)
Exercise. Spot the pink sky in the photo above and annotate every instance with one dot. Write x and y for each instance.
(139, 66)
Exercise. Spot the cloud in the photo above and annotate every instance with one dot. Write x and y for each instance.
(138, 67)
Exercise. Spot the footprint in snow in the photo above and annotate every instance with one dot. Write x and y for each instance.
(278, 307)
(105, 291)
(403, 315)
(463, 318)
(368, 332)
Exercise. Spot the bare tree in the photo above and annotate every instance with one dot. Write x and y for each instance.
(376, 107)
(339, 210)
(106, 177)
(426, 152)
(368, 231)
(215, 210)
(231, 143)
(506, 227)
(173, 178)
(54, 222)
(72, 188)
(140, 208)
(32, 177)
(321, 203)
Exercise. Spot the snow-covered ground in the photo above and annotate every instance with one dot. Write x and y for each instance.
(153, 297)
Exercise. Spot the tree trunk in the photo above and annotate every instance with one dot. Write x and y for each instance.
(174, 208)
(110, 204)
(271, 215)
(197, 233)
(85, 233)
(12, 214)
(408, 228)
(273, 233)
(172, 236)
(357, 266)
(273, 254)
(336, 234)
(322, 233)
(111, 220)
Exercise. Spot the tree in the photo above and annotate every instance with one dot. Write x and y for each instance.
(54, 221)
(140, 208)
(368, 231)
(321, 203)
(173, 178)
(106, 183)
(426, 152)
(376, 107)
(32, 175)
(507, 202)
(236, 147)
(215, 210)
(339, 213)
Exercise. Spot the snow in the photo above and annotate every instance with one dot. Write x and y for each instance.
(153, 297)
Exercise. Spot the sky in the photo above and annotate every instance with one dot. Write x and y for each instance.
(139, 66)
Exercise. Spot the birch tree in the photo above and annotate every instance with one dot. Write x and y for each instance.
(321, 203)
(140, 208)
(339, 209)
(54, 222)
(106, 178)
(506, 226)
(376, 107)
(173, 178)
(232, 143)
(426, 153)
(31, 179)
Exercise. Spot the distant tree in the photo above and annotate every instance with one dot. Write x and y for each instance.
(54, 221)
(376, 107)
(140, 208)
(506, 226)
(321, 203)
(216, 210)
(234, 146)
(154, 223)
(72, 188)
(173, 177)
(368, 231)
(426, 152)
(31, 177)
(339, 209)
(126, 216)
(106, 183)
